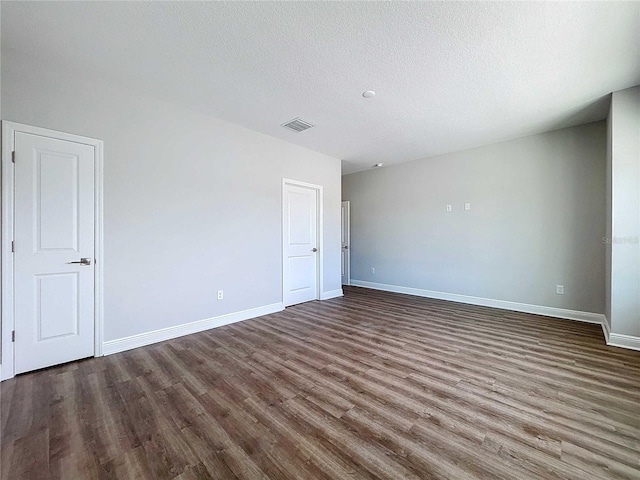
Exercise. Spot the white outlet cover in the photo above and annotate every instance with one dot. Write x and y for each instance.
(448, 208)
(467, 206)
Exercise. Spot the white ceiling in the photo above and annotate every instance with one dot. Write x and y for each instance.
(447, 75)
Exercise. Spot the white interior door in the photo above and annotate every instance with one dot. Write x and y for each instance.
(345, 239)
(300, 244)
(54, 233)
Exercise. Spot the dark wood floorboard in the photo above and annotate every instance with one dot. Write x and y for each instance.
(374, 385)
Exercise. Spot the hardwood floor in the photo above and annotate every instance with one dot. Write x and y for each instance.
(372, 385)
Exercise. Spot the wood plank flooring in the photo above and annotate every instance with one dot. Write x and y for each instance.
(372, 385)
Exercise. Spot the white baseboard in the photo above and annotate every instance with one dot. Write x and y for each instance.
(618, 339)
(606, 329)
(488, 302)
(142, 339)
(624, 341)
(331, 294)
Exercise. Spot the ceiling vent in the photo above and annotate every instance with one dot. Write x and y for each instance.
(297, 125)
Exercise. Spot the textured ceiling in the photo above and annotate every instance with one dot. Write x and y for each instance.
(448, 75)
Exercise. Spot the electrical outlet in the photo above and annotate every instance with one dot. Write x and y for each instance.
(467, 206)
(448, 208)
(373, 270)
(560, 289)
(220, 294)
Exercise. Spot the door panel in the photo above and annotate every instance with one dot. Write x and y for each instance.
(301, 218)
(56, 215)
(56, 299)
(54, 226)
(299, 278)
(300, 223)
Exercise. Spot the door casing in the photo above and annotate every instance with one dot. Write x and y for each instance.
(7, 311)
(319, 232)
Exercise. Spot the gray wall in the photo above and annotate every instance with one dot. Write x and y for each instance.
(192, 204)
(537, 219)
(624, 216)
(608, 224)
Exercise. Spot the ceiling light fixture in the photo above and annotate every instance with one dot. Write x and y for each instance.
(369, 94)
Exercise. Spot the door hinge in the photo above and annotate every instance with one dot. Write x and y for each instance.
(13, 246)
(13, 157)
(13, 335)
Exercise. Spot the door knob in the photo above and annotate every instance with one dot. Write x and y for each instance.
(83, 261)
(314, 249)
(346, 247)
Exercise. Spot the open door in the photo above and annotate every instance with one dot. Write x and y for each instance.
(346, 243)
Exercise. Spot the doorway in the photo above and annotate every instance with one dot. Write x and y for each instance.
(345, 241)
(51, 248)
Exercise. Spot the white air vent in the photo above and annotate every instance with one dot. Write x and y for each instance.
(297, 125)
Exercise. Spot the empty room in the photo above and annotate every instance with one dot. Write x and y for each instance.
(320, 240)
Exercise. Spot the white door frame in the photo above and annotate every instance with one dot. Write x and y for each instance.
(7, 312)
(319, 230)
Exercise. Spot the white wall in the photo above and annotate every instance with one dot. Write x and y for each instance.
(624, 214)
(608, 226)
(537, 219)
(0, 179)
(192, 204)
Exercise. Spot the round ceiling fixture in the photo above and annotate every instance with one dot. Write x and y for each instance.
(378, 165)
(369, 94)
